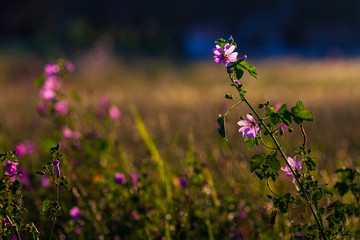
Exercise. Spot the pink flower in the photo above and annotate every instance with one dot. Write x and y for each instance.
(47, 94)
(10, 168)
(226, 56)
(114, 113)
(104, 102)
(67, 133)
(249, 128)
(30, 147)
(75, 212)
(294, 165)
(20, 149)
(51, 69)
(120, 178)
(62, 107)
(69, 66)
(45, 182)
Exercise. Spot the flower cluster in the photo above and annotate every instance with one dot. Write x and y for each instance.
(24, 148)
(112, 110)
(226, 55)
(52, 82)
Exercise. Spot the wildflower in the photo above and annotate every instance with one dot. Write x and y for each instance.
(134, 179)
(4, 221)
(56, 163)
(62, 107)
(182, 182)
(52, 83)
(242, 214)
(244, 57)
(114, 113)
(226, 56)
(67, 133)
(75, 213)
(119, 178)
(20, 149)
(249, 128)
(10, 168)
(47, 94)
(45, 181)
(42, 107)
(69, 66)
(104, 102)
(51, 69)
(294, 165)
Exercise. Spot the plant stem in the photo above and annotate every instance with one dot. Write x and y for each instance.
(321, 228)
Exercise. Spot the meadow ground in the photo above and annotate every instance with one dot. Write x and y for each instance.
(179, 104)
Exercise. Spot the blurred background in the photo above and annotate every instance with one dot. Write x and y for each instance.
(182, 29)
(156, 55)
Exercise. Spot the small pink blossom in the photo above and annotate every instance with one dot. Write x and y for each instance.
(114, 113)
(104, 102)
(69, 66)
(51, 69)
(249, 128)
(226, 55)
(294, 165)
(20, 149)
(52, 82)
(45, 181)
(47, 94)
(75, 212)
(62, 107)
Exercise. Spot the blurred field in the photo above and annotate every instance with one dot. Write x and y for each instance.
(180, 102)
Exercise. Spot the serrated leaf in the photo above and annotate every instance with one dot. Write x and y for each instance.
(221, 126)
(300, 113)
(256, 161)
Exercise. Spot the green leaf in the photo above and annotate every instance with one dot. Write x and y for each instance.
(39, 81)
(274, 163)
(46, 205)
(239, 72)
(284, 115)
(300, 113)
(221, 126)
(256, 161)
(249, 68)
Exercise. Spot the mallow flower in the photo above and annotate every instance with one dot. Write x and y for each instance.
(249, 128)
(294, 165)
(226, 55)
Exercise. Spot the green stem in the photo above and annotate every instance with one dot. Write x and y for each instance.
(232, 108)
(287, 163)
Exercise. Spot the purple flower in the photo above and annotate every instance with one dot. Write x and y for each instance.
(62, 107)
(10, 168)
(56, 163)
(134, 179)
(294, 165)
(249, 128)
(119, 178)
(182, 182)
(244, 57)
(104, 102)
(242, 214)
(225, 55)
(75, 213)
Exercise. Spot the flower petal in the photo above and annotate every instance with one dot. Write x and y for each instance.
(233, 57)
(292, 161)
(243, 123)
(229, 50)
(298, 165)
(286, 169)
(217, 59)
(250, 117)
(288, 174)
